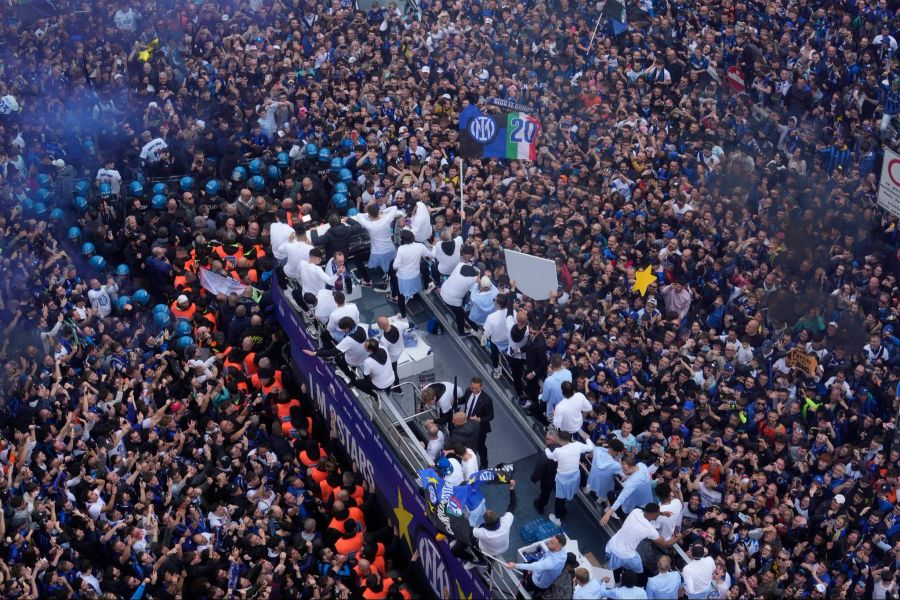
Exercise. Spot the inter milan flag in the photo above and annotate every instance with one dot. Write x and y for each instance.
(447, 505)
(501, 474)
(512, 135)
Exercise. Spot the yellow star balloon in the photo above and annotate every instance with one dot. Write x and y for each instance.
(643, 279)
(404, 518)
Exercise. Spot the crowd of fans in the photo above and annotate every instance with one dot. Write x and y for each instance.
(733, 147)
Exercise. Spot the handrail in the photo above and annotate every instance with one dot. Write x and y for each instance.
(503, 582)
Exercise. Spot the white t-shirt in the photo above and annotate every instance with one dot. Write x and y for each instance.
(667, 525)
(325, 304)
(494, 542)
(152, 150)
(279, 233)
(421, 223)
(339, 312)
(470, 465)
(495, 327)
(382, 375)
(698, 575)
(380, 230)
(313, 278)
(112, 177)
(446, 262)
(354, 351)
(408, 260)
(567, 416)
(634, 530)
(295, 252)
(457, 285)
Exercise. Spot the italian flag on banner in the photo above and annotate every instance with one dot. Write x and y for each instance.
(521, 136)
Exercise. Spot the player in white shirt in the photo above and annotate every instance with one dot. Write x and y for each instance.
(420, 223)
(568, 415)
(408, 267)
(621, 550)
(379, 225)
(313, 277)
(495, 332)
(446, 254)
(698, 573)
(441, 394)
(568, 474)
(392, 341)
(341, 309)
(350, 353)
(377, 371)
(296, 251)
(493, 533)
(279, 234)
(325, 304)
(454, 290)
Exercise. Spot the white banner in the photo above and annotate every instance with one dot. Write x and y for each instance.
(535, 277)
(889, 186)
(219, 284)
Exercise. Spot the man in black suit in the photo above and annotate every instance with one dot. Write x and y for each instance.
(464, 431)
(479, 407)
(535, 366)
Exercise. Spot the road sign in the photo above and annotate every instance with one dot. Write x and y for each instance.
(889, 186)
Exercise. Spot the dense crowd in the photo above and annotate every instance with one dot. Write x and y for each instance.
(733, 147)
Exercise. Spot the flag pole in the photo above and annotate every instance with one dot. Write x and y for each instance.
(462, 202)
(594, 34)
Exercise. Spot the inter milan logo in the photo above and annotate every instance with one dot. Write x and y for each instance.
(483, 129)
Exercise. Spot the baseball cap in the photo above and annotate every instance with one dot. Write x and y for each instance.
(445, 96)
(832, 324)
(426, 69)
(840, 499)
(182, 299)
(689, 405)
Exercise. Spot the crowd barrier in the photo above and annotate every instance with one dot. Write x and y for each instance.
(379, 464)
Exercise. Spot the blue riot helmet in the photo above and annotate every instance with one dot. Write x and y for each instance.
(105, 190)
(162, 320)
(44, 181)
(345, 175)
(239, 174)
(312, 151)
(80, 203)
(40, 209)
(211, 187)
(42, 195)
(136, 188)
(27, 205)
(340, 188)
(324, 155)
(256, 166)
(183, 328)
(352, 212)
(141, 296)
(346, 144)
(339, 201)
(160, 308)
(336, 164)
(158, 202)
(56, 214)
(274, 172)
(160, 188)
(122, 269)
(186, 183)
(87, 248)
(74, 233)
(82, 187)
(257, 183)
(122, 301)
(282, 159)
(183, 342)
(98, 262)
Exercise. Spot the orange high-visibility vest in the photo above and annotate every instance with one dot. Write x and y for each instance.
(187, 313)
(348, 545)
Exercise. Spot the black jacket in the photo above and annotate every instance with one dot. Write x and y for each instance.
(337, 238)
(536, 357)
(484, 409)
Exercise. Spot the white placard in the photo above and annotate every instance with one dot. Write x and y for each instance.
(534, 276)
(889, 186)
